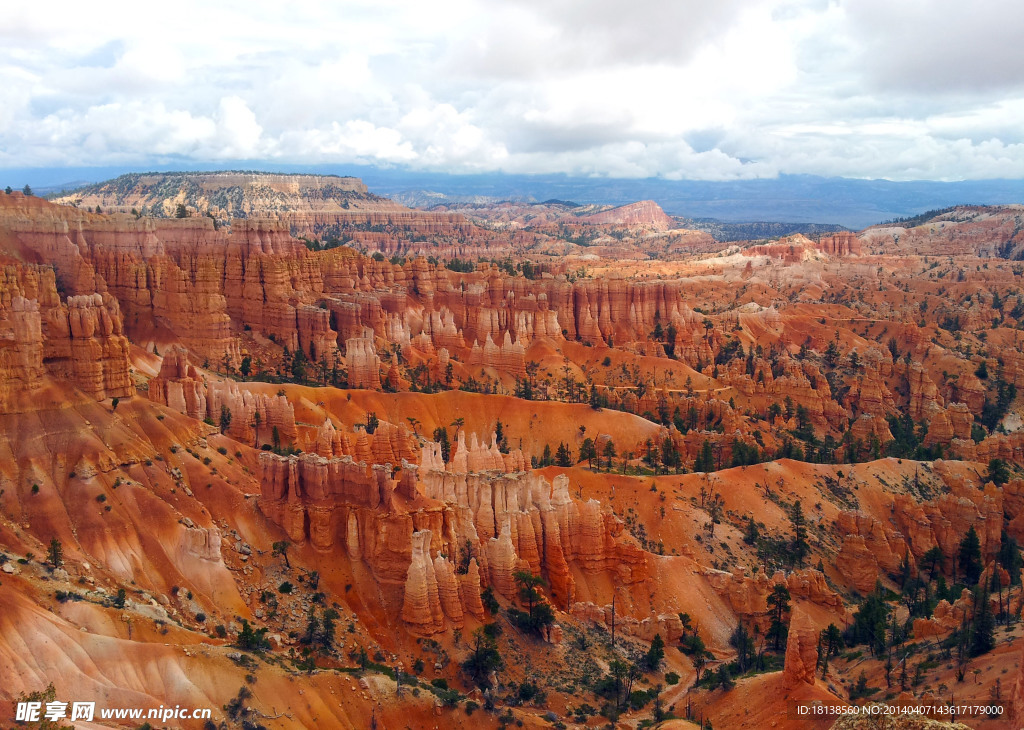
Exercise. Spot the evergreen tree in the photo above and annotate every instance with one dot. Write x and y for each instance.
(441, 437)
(751, 534)
(800, 546)
(225, 418)
(831, 356)
(562, 456)
(588, 451)
(705, 460)
(932, 559)
(312, 626)
(655, 655)
(670, 454)
(832, 641)
(55, 554)
(298, 366)
(609, 453)
(251, 639)
(281, 548)
(1009, 556)
(804, 429)
(778, 606)
(969, 557)
(484, 660)
(744, 645)
(870, 624)
(325, 638)
(998, 472)
(983, 634)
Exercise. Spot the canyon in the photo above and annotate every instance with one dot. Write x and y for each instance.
(562, 434)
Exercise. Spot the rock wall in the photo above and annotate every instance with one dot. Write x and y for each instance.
(254, 415)
(363, 363)
(179, 385)
(79, 340)
(434, 535)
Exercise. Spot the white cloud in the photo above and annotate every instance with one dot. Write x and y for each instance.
(687, 89)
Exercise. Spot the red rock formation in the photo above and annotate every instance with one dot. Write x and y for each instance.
(363, 363)
(276, 412)
(841, 243)
(748, 594)
(510, 357)
(84, 344)
(801, 651)
(857, 564)
(21, 350)
(179, 385)
(791, 250)
(668, 625)
(421, 608)
(643, 214)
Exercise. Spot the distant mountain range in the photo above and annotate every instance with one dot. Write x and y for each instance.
(790, 199)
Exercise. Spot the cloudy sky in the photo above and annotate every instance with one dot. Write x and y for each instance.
(730, 89)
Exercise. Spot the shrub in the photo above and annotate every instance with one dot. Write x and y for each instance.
(252, 639)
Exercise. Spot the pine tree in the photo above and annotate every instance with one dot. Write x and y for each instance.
(225, 418)
(832, 638)
(609, 452)
(778, 605)
(312, 626)
(441, 437)
(656, 654)
(55, 554)
(750, 534)
(588, 451)
(705, 460)
(969, 557)
(800, 546)
(325, 638)
(932, 558)
(562, 456)
(983, 634)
